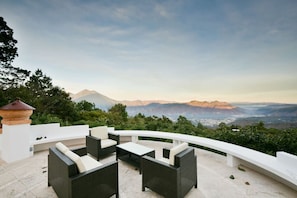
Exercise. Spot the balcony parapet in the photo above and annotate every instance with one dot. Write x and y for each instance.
(282, 167)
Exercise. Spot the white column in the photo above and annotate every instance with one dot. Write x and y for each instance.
(134, 139)
(15, 142)
(176, 142)
(232, 161)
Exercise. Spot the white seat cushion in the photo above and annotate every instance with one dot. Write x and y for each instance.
(107, 143)
(83, 163)
(175, 150)
(61, 147)
(89, 163)
(100, 132)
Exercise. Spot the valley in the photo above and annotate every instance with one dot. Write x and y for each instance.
(274, 115)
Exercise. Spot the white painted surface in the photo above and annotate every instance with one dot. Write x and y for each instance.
(53, 133)
(135, 148)
(15, 142)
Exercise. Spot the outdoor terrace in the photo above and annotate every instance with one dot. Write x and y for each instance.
(28, 178)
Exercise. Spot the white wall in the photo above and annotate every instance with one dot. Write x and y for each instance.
(44, 130)
(19, 141)
(53, 132)
(15, 142)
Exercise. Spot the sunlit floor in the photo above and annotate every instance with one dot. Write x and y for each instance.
(28, 178)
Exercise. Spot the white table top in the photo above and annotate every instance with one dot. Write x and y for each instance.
(135, 148)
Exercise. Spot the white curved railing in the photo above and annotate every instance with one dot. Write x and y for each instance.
(284, 166)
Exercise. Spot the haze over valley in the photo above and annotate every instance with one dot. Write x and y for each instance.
(208, 113)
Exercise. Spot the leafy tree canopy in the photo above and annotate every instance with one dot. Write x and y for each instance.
(10, 76)
(7, 44)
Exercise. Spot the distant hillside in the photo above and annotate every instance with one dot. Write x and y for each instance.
(100, 101)
(273, 115)
(174, 110)
(143, 102)
(279, 110)
(103, 101)
(207, 113)
(213, 104)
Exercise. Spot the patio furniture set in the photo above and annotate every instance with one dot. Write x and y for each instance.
(78, 173)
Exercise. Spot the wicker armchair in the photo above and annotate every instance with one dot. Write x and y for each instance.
(171, 178)
(69, 180)
(99, 142)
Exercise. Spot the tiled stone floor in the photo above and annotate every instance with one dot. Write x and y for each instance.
(28, 178)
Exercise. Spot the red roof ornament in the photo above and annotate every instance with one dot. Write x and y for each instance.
(17, 105)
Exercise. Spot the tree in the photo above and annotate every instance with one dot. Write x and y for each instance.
(7, 44)
(184, 126)
(118, 116)
(39, 83)
(9, 75)
(38, 87)
(49, 99)
(85, 106)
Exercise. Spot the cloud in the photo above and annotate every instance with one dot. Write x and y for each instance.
(171, 49)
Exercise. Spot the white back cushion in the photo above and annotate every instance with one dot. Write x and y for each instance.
(76, 159)
(73, 156)
(175, 150)
(100, 132)
(61, 147)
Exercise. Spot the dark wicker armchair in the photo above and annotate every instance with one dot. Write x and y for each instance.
(171, 181)
(69, 182)
(99, 142)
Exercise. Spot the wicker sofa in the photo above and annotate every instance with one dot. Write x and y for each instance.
(70, 180)
(174, 175)
(99, 142)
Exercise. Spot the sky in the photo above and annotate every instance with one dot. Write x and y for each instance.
(175, 50)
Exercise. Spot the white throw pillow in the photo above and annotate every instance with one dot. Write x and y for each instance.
(61, 147)
(100, 132)
(107, 143)
(175, 150)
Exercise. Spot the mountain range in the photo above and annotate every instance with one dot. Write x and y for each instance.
(207, 113)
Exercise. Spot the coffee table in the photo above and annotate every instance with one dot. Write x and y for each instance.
(132, 153)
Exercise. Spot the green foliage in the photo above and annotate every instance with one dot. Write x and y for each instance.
(184, 126)
(10, 76)
(45, 118)
(47, 99)
(117, 116)
(137, 123)
(8, 50)
(85, 106)
(259, 138)
(93, 118)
